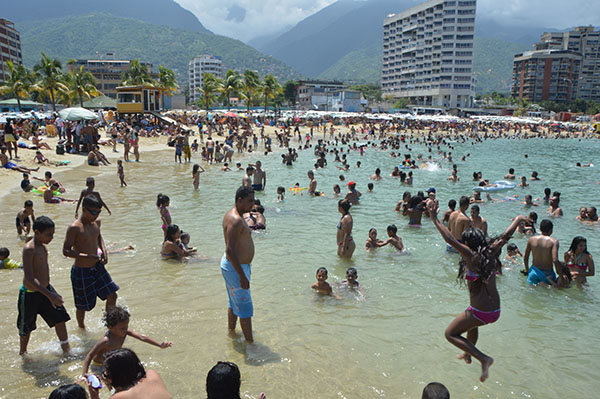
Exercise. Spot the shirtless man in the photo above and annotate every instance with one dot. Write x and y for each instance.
(353, 196)
(454, 177)
(36, 295)
(477, 221)
(89, 277)
(90, 183)
(554, 209)
(246, 180)
(259, 178)
(448, 212)
(312, 186)
(510, 175)
(377, 175)
(236, 263)
(459, 221)
(545, 255)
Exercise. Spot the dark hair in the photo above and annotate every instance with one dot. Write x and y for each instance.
(452, 204)
(576, 242)
(123, 368)
(28, 203)
(91, 201)
(475, 208)
(392, 228)
(533, 216)
(114, 316)
(243, 192)
(281, 188)
(42, 223)
(377, 171)
(464, 200)
(89, 181)
(512, 246)
(25, 175)
(345, 205)
(71, 391)
(4, 252)
(485, 260)
(249, 169)
(171, 230)
(161, 200)
(353, 271)
(435, 390)
(546, 226)
(370, 186)
(511, 171)
(223, 381)
(547, 191)
(322, 269)
(48, 174)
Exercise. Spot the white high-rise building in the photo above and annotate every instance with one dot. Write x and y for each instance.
(428, 54)
(198, 66)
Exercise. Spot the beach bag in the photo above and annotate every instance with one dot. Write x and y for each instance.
(60, 149)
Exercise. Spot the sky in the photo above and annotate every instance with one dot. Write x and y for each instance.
(248, 19)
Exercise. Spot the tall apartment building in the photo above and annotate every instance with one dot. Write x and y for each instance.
(198, 66)
(428, 54)
(108, 72)
(10, 47)
(563, 66)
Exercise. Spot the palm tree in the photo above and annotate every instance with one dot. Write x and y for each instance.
(167, 81)
(231, 86)
(210, 87)
(50, 78)
(20, 82)
(270, 89)
(83, 83)
(138, 74)
(250, 85)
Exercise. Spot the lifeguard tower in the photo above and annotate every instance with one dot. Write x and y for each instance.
(139, 100)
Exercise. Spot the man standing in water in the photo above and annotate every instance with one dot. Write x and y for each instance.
(259, 177)
(545, 255)
(236, 262)
(459, 221)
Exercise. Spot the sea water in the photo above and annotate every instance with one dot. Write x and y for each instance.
(389, 343)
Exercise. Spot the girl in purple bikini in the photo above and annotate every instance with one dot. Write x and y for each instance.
(478, 266)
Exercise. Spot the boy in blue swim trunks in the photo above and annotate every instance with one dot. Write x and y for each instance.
(89, 277)
(236, 263)
(545, 255)
(22, 221)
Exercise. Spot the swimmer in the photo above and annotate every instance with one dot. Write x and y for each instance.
(527, 227)
(170, 247)
(322, 286)
(372, 240)
(513, 254)
(580, 165)
(377, 175)
(544, 249)
(524, 182)
(337, 191)
(510, 175)
(225, 167)
(394, 240)
(402, 205)
(312, 187)
(448, 212)
(351, 278)
(116, 320)
(196, 170)
(454, 176)
(50, 198)
(554, 210)
(23, 220)
(353, 195)
(370, 187)
(280, 194)
(184, 242)
(529, 201)
(579, 261)
(534, 176)
(477, 221)
(592, 214)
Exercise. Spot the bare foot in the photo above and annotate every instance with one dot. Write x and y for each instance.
(465, 356)
(485, 368)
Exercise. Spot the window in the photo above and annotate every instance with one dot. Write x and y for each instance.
(131, 98)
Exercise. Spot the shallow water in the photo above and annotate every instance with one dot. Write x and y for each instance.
(388, 345)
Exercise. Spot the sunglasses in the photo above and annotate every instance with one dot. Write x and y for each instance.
(94, 213)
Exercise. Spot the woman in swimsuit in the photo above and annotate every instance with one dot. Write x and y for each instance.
(415, 211)
(196, 175)
(478, 267)
(162, 203)
(346, 244)
(170, 248)
(579, 260)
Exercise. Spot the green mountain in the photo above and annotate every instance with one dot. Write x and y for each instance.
(159, 12)
(84, 35)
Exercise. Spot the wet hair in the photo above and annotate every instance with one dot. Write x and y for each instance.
(161, 200)
(546, 226)
(372, 229)
(70, 391)
(91, 201)
(377, 171)
(475, 208)
(223, 381)
(528, 196)
(172, 229)
(435, 390)
(406, 194)
(342, 178)
(28, 203)
(534, 174)
(556, 194)
(511, 171)
(280, 189)
(123, 368)
(114, 316)
(464, 200)
(42, 223)
(310, 173)
(249, 169)
(197, 167)
(370, 186)
(337, 187)
(392, 228)
(243, 192)
(575, 244)
(413, 202)
(260, 209)
(184, 236)
(547, 191)
(452, 204)
(48, 174)
(89, 181)
(322, 269)
(352, 271)
(533, 216)
(485, 259)
(512, 247)
(345, 205)
(4, 252)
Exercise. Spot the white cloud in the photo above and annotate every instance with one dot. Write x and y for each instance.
(268, 16)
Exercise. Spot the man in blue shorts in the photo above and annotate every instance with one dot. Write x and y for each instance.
(236, 263)
(545, 255)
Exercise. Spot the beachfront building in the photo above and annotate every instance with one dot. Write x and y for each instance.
(316, 94)
(199, 65)
(562, 67)
(10, 47)
(428, 54)
(107, 70)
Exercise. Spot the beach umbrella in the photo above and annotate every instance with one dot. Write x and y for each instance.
(231, 114)
(77, 114)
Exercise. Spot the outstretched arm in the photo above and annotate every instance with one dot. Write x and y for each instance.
(432, 209)
(149, 340)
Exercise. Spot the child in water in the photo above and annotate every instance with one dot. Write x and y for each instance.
(372, 240)
(117, 321)
(23, 220)
(394, 240)
(280, 194)
(6, 262)
(162, 203)
(322, 286)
